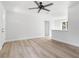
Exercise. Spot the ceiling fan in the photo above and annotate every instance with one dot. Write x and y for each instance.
(40, 6)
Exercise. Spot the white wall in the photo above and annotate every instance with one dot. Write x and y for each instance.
(2, 25)
(23, 26)
(72, 35)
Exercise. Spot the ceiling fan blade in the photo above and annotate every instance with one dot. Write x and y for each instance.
(48, 4)
(36, 3)
(39, 10)
(46, 9)
(34, 8)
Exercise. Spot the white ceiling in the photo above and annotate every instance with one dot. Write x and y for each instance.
(59, 8)
(73, 3)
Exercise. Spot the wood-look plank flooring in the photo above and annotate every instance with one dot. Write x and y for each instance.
(38, 48)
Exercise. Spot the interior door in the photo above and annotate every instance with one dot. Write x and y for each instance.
(46, 28)
(2, 25)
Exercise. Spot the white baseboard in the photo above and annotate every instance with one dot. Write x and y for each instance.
(25, 38)
(73, 44)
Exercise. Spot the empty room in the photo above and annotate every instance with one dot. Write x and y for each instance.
(39, 29)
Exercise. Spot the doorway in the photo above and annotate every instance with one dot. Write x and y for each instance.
(47, 28)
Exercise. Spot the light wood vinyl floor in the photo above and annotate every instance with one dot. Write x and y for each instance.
(38, 48)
